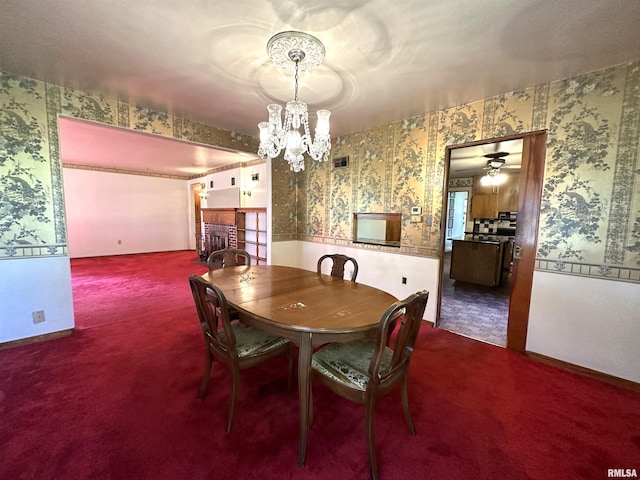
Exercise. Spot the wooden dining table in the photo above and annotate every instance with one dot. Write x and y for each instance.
(309, 309)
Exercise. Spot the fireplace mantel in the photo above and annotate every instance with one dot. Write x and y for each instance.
(219, 216)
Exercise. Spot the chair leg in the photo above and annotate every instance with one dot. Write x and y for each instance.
(405, 404)
(369, 408)
(207, 374)
(235, 374)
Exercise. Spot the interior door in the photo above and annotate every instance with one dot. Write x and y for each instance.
(530, 194)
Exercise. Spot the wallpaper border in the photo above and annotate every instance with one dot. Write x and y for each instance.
(33, 251)
(591, 270)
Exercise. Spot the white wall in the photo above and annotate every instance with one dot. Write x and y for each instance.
(586, 321)
(34, 284)
(246, 193)
(259, 189)
(144, 214)
(376, 269)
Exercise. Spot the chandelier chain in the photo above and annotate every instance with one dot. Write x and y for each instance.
(296, 77)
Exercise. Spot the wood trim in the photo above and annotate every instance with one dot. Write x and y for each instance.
(587, 372)
(36, 339)
(530, 196)
(220, 216)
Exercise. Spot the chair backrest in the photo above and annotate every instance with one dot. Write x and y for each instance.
(229, 257)
(398, 330)
(338, 266)
(213, 312)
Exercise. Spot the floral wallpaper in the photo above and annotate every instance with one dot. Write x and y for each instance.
(32, 219)
(590, 212)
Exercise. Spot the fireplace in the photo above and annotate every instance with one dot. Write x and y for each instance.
(219, 230)
(218, 240)
(218, 237)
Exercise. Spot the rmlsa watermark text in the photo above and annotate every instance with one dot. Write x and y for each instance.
(622, 473)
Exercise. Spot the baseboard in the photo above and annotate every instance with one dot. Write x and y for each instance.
(620, 382)
(36, 339)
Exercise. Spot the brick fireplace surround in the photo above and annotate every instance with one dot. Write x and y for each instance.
(219, 220)
(230, 230)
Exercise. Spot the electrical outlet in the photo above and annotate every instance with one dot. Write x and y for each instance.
(119, 242)
(38, 316)
(404, 280)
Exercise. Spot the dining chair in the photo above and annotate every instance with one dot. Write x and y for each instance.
(228, 257)
(365, 370)
(338, 265)
(233, 343)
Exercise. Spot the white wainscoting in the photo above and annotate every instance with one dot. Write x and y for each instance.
(588, 322)
(26, 285)
(377, 269)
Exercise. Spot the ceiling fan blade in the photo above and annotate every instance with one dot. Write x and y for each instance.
(496, 155)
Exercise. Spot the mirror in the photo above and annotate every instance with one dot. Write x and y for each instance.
(377, 228)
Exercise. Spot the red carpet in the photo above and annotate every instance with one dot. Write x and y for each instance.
(119, 401)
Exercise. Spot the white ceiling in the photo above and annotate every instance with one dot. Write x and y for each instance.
(386, 60)
(89, 143)
(471, 161)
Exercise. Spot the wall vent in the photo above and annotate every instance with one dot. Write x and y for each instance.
(341, 162)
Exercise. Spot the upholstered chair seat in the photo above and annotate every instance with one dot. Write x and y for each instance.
(251, 341)
(348, 363)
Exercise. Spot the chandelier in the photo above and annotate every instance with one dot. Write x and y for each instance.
(296, 51)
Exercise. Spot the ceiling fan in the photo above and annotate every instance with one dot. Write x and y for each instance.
(485, 159)
(495, 162)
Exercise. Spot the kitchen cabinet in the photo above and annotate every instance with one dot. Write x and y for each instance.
(477, 262)
(508, 193)
(486, 203)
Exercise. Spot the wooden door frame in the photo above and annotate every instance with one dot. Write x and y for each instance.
(529, 198)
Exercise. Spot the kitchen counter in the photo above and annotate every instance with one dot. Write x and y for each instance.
(483, 238)
(480, 259)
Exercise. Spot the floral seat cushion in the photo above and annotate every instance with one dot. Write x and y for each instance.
(348, 363)
(251, 341)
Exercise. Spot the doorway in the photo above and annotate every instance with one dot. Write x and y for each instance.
(457, 213)
(504, 306)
